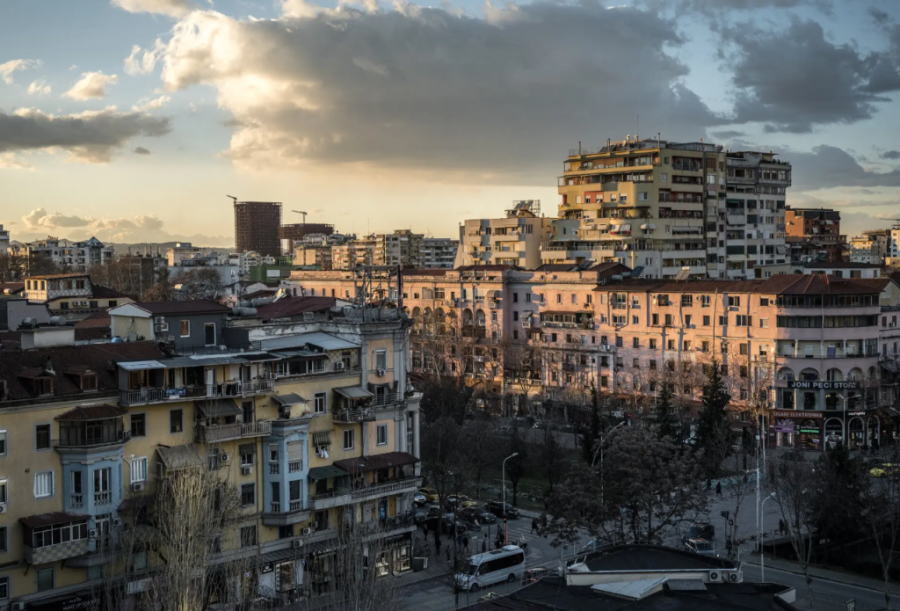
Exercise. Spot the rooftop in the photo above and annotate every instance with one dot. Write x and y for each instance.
(56, 276)
(162, 308)
(781, 284)
(840, 265)
(287, 307)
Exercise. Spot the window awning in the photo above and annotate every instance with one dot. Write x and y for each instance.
(320, 473)
(354, 392)
(219, 408)
(141, 365)
(376, 462)
(289, 399)
(49, 519)
(494, 294)
(180, 457)
(321, 438)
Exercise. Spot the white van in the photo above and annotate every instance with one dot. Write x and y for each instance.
(504, 564)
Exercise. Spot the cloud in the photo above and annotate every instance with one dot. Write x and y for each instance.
(91, 85)
(14, 65)
(137, 229)
(891, 155)
(795, 78)
(141, 151)
(727, 134)
(172, 8)
(39, 87)
(424, 87)
(89, 136)
(827, 167)
(9, 161)
(152, 104)
(143, 61)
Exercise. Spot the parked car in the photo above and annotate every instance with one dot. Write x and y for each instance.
(453, 501)
(419, 516)
(884, 469)
(419, 499)
(497, 508)
(700, 530)
(430, 494)
(449, 520)
(485, 517)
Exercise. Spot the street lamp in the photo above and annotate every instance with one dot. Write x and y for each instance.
(600, 452)
(503, 480)
(762, 556)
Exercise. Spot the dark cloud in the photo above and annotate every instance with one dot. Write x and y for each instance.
(424, 87)
(795, 78)
(727, 134)
(89, 136)
(879, 16)
(891, 155)
(141, 151)
(829, 166)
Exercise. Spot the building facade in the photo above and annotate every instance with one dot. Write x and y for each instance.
(439, 253)
(309, 420)
(818, 227)
(4, 240)
(76, 256)
(517, 239)
(257, 227)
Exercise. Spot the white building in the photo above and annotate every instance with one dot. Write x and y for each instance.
(515, 240)
(4, 240)
(843, 269)
(79, 256)
(439, 253)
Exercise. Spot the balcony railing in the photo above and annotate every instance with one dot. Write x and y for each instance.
(214, 433)
(274, 468)
(394, 487)
(201, 391)
(275, 507)
(56, 552)
(359, 414)
(295, 466)
(384, 399)
(295, 506)
(105, 439)
(102, 498)
(77, 501)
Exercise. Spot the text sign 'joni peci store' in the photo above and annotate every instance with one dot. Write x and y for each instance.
(820, 385)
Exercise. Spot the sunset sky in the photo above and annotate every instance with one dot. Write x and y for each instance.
(132, 120)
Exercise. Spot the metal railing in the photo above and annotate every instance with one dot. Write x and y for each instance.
(79, 441)
(386, 488)
(200, 391)
(359, 414)
(212, 433)
(274, 468)
(102, 498)
(388, 398)
(77, 501)
(295, 466)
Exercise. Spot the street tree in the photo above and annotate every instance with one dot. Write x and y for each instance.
(841, 480)
(198, 283)
(515, 467)
(881, 500)
(552, 459)
(743, 487)
(481, 448)
(713, 429)
(591, 435)
(667, 423)
(13, 266)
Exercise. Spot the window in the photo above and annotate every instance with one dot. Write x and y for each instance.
(139, 469)
(635, 320)
(668, 320)
(4, 544)
(43, 484)
(2, 443)
(248, 495)
(619, 342)
(763, 323)
(687, 300)
(138, 425)
(348, 440)
(743, 321)
(744, 349)
(655, 319)
(704, 346)
(652, 364)
(686, 344)
(671, 344)
(704, 301)
(687, 320)
(42, 437)
(185, 328)
(381, 434)
(209, 334)
(380, 359)
(652, 344)
(248, 451)
(706, 321)
(574, 298)
(321, 402)
(4, 585)
(515, 316)
(558, 298)
(4, 491)
(764, 301)
(636, 363)
(734, 301)
(248, 536)
(176, 421)
(44, 580)
(635, 342)
(664, 177)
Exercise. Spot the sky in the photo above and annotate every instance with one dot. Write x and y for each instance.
(133, 120)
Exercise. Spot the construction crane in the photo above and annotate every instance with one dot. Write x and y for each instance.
(299, 212)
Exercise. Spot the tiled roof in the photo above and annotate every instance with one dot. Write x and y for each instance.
(99, 357)
(92, 412)
(260, 294)
(486, 268)
(199, 306)
(97, 319)
(11, 288)
(294, 306)
(56, 276)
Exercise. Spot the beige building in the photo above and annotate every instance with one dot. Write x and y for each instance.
(439, 253)
(515, 240)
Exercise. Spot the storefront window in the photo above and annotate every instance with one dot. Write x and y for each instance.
(810, 434)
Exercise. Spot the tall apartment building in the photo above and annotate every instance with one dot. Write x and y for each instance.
(438, 253)
(664, 207)
(402, 248)
(77, 256)
(353, 254)
(873, 246)
(516, 240)
(308, 423)
(817, 231)
(257, 227)
(4, 240)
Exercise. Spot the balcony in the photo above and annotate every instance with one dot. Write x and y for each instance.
(356, 414)
(147, 396)
(102, 498)
(285, 514)
(409, 484)
(56, 552)
(215, 433)
(332, 498)
(102, 440)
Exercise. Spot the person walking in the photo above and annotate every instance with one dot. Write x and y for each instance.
(718, 488)
(466, 543)
(484, 544)
(437, 544)
(534, 526)
(781, 527)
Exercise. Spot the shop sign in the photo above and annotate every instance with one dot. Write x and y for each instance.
(795, 414)
(784, 428)
(267, 568)
(856, 413)
(822, 385)
(84, 602)
(810, 430)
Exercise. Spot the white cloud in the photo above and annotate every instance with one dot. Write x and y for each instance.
(152, 104)
(39, 87)
(143, 61)
(14, 65)
(172, 8)
(9, 161)
(90, 136)
(91, 85)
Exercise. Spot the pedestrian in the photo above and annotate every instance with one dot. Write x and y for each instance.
(466, 543)
(544, 520)
(781, 528)
(718, 488)
(484, 544)
(425, 528)
(534, 526)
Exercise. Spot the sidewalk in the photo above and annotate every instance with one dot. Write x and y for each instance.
(822, 573)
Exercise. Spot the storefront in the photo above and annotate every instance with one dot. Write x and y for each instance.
(77, 602)
(803, 430)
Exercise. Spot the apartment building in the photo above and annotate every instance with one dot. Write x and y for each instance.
(873, 246)
(819, 229)
(257, 227)
(353, 254)
(439, 253)
(71, 296)
(401, 248)
(4, 240)
(515, 240)
(308, 418)
(76, 256)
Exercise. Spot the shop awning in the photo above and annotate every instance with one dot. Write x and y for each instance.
(354, 392)
(180, 457)
(219, 408)
(289, 399)
(321, 438)
(376, 462)
(320, 473)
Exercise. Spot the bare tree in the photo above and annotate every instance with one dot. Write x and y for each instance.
(881, 499)
(198, 283)
(12, 266)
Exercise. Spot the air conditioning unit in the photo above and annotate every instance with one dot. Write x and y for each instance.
(224, 457)
(117, 521)
(380, 373)
(92, 533)
(732, 576)
(2, 508)
(339, 365)
(159, 320)
(298, 543)
(246, 469)
(306, 530)
(715, 576)
(893, 324)
(137, 487)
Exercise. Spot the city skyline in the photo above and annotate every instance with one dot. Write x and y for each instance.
(139, 134)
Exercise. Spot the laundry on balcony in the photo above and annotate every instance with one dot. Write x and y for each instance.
(353, 392)
(322, 473)
(181, 457)
(220, 408)
(321, 439)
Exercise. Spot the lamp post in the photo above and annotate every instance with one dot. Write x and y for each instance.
(762, 556)
(503, 480)
(600, 453)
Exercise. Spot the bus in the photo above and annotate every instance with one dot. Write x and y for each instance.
(504, 564)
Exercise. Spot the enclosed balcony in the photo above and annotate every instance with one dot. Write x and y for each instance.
(92, 426)
(353, 405)
(221, 421)
(53, 537)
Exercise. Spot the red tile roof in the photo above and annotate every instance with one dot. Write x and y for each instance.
(11, 288)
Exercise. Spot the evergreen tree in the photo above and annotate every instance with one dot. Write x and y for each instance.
(592, 434)
(713, 430)
(667, 424)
